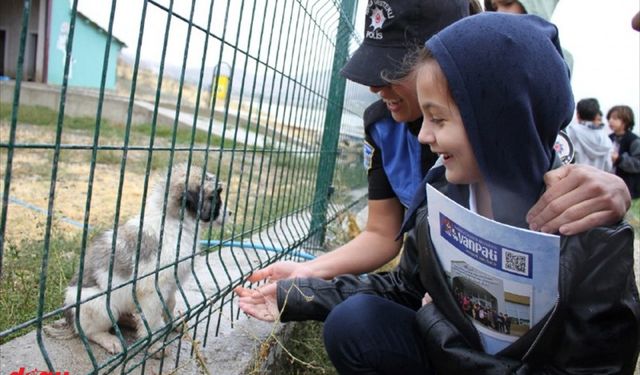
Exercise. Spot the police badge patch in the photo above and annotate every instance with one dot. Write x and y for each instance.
(368, 151)
(564, 148)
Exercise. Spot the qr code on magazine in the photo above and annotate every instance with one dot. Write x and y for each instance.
(515, 262)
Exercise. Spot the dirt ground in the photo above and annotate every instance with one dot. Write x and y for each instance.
(31, 183)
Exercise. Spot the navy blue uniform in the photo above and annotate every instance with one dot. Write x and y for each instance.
(396, 162)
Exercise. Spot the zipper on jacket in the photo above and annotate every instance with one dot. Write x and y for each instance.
(543, 330)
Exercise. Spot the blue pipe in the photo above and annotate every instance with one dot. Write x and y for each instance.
(300, 253)
(44, 212)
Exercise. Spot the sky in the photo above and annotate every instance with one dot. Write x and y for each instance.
(598, 34)
(274, 26)
(605, 49)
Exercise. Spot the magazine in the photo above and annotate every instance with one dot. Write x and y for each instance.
(504, 278)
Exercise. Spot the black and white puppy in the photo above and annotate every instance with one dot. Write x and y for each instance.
(153, 254)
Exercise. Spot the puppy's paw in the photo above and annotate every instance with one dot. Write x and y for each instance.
(156, 350)
(109, 342)
(180, 325)
(115, 346)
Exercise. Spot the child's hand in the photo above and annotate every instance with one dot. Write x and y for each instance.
(281, 270)
(259, 303)
(426, 299)
(614, 157)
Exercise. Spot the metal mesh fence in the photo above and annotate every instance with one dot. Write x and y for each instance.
(248, 91)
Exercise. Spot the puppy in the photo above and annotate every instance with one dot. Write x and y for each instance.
(202, 203)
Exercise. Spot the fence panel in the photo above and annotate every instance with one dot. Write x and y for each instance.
(145, 109)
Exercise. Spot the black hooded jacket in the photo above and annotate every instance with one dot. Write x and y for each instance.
(578, 337)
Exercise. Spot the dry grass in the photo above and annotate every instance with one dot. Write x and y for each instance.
(31, 183)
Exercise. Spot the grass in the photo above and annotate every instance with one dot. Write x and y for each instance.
(43, 116)
(20, 282)
(307, 353)
(349, 172)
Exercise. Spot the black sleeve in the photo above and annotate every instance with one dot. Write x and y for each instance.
(379, 186)
(313, 298)
(630, 161)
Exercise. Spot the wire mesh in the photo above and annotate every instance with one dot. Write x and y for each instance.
(243, 95)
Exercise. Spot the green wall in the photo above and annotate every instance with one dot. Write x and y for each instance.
(88, 51)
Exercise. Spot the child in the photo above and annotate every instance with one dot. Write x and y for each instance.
(626, 158)
(590, 141)
(501, 126)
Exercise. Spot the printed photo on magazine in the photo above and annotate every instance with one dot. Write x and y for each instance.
(504, 278)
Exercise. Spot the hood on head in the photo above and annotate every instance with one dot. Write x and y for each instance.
(508, 78)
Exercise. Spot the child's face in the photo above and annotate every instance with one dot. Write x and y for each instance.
(616, 124)
(442, 128)
(400, 99)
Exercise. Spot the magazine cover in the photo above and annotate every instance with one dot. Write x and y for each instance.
(505, 278)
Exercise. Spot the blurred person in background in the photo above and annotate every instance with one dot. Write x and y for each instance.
(540, 8)
(591, 144)
(626, 147)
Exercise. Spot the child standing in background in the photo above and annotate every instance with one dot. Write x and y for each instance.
(591, 142)
(626, 146)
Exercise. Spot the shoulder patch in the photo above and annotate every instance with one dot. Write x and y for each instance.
(368, 151)
(564, 148)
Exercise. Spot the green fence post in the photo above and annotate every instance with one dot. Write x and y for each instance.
(332, 123)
